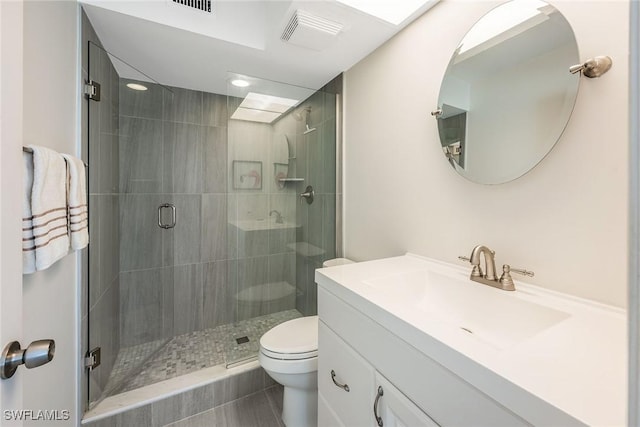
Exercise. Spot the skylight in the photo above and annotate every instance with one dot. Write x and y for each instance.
(393, 12)
(257, 107)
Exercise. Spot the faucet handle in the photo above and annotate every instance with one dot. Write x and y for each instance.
(520, 271)
(476, 271)
(507, 281)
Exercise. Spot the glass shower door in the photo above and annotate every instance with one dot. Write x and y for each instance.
(281, 139)
(128, 254)
(200, 241)
(316, 152)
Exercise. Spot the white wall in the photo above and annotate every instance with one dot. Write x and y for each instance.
(566, 219)
(51, 297)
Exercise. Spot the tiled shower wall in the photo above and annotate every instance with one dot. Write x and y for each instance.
(100, 127)
(172, 150)
(314, 160)
(208, 270)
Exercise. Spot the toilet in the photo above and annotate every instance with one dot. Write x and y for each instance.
(289, 354)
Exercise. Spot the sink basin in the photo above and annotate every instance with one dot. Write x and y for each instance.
(499, 318)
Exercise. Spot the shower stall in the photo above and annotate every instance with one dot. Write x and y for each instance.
(200, 238)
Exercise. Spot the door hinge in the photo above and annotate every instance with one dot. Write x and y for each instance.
(92, 359)
(92, 90)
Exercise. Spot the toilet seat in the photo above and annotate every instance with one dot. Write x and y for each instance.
(295, 339)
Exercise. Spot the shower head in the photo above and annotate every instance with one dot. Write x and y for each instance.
(309, 130)
(302, 113)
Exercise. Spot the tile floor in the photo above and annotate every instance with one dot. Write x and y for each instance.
(149, 363)
(262, 409)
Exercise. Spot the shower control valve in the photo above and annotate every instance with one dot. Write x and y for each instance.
(308, 194)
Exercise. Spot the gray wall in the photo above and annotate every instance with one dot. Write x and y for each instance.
(100, 129)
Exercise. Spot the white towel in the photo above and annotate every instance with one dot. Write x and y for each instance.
(28, 247)
(77, 203)
(49, 207)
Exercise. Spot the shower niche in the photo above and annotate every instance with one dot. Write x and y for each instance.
(241, 253)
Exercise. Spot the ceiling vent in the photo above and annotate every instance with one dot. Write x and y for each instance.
(310, 31)
(203, 5)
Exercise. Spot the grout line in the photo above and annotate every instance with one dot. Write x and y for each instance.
(272, 403)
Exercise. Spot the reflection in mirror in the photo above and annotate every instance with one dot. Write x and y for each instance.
(507, 94)
(281, 160)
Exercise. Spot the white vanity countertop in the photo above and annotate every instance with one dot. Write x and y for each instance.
(578, 365)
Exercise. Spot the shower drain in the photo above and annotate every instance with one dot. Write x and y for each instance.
(242, 340)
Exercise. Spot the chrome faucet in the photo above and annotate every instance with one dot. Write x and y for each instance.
(505, 282)
(279, 219)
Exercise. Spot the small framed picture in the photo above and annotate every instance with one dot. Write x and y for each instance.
(280, 172)
(247, 175)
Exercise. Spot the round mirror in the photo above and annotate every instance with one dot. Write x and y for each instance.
(507, 94)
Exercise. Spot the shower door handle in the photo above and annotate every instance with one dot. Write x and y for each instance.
(173, 216)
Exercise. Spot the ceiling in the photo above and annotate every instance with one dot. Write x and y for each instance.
(179, 46)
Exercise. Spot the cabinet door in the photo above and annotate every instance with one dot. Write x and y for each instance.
(395, 409)
(326, 416)
(349, 391)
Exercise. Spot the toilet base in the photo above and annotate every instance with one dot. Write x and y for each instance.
(300, 407)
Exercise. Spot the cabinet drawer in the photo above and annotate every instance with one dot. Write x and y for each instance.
(352, 407)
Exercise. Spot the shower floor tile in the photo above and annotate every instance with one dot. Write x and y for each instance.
(148, 363)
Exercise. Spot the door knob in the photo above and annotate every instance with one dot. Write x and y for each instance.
(36, 354)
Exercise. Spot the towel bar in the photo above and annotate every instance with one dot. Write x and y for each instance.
(29, 150)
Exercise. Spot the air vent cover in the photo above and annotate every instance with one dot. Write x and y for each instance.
(203, 5)
(310, 31)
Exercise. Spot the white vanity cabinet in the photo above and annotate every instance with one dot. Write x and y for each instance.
(349, 387)
(416, 389)
(457, 352)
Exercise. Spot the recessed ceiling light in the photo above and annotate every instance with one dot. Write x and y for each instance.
(393, 12)
(136, 86)
(240, 83)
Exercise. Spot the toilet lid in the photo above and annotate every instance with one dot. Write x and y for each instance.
(294, 339)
